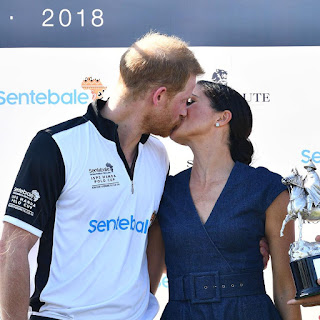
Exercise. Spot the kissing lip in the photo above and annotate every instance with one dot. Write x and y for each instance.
(177, 126)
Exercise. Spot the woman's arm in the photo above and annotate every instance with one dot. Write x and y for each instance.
(283, 285)
(155, 254)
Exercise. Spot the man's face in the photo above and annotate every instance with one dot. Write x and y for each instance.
(169, 116)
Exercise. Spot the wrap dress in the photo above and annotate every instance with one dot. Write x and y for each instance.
(215, 269)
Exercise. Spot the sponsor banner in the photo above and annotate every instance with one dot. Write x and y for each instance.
(40, 87)
(109, 23)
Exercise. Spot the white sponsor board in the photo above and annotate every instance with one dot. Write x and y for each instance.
(42, 87)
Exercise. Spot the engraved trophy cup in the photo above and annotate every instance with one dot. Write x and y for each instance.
(304, 205)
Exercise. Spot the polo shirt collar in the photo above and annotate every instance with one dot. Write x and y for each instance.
(107, 128)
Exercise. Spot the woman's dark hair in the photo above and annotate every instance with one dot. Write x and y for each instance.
(224, 98)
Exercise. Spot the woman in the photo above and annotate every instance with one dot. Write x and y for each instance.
(213, 215)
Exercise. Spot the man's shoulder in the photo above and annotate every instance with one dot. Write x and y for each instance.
(65, 125)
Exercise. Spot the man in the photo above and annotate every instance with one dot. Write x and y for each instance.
(87, 188)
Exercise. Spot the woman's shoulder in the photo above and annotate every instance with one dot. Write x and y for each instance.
(175, 180)
(260, 172)
(264, 182)
(181, 176)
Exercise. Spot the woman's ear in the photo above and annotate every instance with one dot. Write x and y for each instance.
(158, 95)
(225, 117)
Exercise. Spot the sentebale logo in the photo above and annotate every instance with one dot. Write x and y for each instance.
(119, 224)
(51, 97)
(40, 98)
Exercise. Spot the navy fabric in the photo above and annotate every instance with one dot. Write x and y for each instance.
(228, 243)
(41, 318)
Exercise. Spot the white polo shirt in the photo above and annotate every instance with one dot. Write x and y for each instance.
(76, 192)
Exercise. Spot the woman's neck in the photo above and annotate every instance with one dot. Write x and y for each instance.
(211, 164)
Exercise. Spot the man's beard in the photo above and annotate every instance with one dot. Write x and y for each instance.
(160, 127)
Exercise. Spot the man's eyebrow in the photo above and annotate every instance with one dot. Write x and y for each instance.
(195, 95)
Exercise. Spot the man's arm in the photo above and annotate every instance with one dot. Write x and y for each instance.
(155, 254)
(15, 245)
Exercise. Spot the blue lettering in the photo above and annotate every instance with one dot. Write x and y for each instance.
(91, 223)
(164, 282)
(316, 157)
(114, 224)
(101, 226)
(40, 96)
(2, 100)
(32, 96)
(146, 227)
(53, 94)
(305, 153)
(23, 95)
(11, 98)
(123, 224)
(133, 223)
(82, 96)
(24, 98)
(142, 225)
(117, 223)
(70, 98)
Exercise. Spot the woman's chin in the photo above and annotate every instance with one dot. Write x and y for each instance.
(176, 136)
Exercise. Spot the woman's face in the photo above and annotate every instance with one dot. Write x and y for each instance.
(200, 119)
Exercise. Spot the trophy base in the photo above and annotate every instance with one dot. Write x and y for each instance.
(305, 273)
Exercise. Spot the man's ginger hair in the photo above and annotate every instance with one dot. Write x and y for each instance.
(157, 60)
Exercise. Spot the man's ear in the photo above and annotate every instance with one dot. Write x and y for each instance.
(158, 95)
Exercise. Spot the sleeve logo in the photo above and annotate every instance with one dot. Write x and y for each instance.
(23, 200)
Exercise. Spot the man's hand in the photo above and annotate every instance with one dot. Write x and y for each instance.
(264, 250)
(306, 302)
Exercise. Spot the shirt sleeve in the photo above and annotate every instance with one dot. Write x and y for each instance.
(38, 185)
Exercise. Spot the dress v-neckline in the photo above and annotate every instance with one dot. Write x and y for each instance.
(221, 195)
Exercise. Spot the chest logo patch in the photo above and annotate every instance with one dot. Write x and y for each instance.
(103, 177)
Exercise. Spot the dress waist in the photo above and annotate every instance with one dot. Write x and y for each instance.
(204, 287)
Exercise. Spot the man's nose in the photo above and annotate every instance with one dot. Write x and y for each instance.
(184, 112)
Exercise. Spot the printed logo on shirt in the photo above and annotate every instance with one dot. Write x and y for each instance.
(103, 177)
(23, 200)
(119, 224)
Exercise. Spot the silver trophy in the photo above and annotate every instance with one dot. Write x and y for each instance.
(304, 205)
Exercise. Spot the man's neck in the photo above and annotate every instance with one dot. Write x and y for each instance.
(128, 118)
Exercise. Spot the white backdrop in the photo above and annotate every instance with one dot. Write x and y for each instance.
(280, 84)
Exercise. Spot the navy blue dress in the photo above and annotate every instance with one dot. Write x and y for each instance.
(215, 270)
